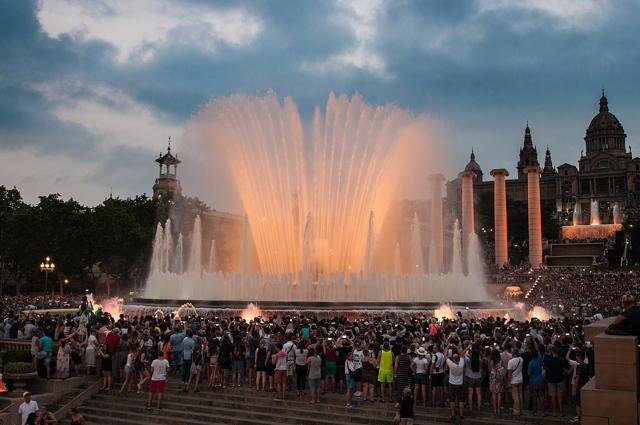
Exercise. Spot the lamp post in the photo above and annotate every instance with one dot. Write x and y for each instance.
(63, 283)
(47, 267)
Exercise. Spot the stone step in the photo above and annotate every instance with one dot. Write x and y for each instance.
(203, 408)
(329, 401)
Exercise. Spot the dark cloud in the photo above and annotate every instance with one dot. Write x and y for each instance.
(483, 74)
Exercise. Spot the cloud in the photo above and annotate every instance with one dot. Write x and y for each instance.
(136, 28)
(98, 86)
(565, 14)
(361, 18)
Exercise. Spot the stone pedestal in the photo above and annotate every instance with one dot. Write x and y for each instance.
(611, 397)
(436, 219)
(534, 216)
(500, 216)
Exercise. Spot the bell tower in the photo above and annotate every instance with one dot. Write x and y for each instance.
(167, 183)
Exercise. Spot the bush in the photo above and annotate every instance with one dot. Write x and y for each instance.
(19, 367)
(16, 356)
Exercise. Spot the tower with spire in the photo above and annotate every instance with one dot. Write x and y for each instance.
(528, 154)
(548, 170)
(167, 183)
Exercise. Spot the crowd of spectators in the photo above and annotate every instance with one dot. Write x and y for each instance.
(404, 360)
(401, 359)
(583, 291)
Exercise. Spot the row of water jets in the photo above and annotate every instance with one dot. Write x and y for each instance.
(182, 272)
(595, 214)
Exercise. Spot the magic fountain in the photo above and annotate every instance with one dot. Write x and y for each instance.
(315, 201)
(595, 229)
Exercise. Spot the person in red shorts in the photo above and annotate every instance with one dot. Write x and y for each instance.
(159, 369)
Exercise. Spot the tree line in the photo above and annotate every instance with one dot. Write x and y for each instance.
(106, 244)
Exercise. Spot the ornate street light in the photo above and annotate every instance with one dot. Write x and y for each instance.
(47, 267)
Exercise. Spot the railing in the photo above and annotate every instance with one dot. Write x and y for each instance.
(11, 344)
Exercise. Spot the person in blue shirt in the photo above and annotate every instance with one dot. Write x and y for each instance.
(536, 379)
(187, 351)
(46, 352)
(176, 346)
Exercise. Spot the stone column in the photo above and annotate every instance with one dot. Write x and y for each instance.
(436, 219)
(466, 187)
(500, 215)
(534, 216)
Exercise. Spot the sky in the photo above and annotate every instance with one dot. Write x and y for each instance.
(90, 90)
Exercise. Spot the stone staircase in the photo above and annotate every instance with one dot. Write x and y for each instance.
(243, 406)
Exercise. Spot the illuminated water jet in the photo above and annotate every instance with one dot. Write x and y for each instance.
(315, 201)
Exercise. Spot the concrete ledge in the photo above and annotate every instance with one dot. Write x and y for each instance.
(621, 407)
(616, 349)
(593, 420)
(596, 328)
(621, 377)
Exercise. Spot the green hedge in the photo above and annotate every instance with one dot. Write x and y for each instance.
(18, 367)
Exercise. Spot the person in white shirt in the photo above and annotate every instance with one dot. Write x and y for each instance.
(27, 407)
(456, 380)
(437, 375)
(421, 369)
(514, 378)
(159, 369)
(357, 361)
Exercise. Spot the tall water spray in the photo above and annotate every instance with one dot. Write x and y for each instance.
(195, 253)
(617, 215)
(595, 212)
(314, 202)
(577, 214)
(416, 257)
(178, 256)
(456, 255)
(397, 260)
(212, 265)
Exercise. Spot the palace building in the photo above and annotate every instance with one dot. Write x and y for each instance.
(606, 172)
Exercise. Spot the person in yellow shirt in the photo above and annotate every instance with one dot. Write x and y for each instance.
(385, 370)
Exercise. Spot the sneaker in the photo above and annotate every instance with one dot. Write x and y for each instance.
(358, 393)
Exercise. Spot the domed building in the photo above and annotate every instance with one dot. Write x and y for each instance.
(472, 165)
(606, 172)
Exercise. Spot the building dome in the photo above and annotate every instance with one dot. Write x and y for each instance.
(605, 120)
(605, 133)
(472, 165)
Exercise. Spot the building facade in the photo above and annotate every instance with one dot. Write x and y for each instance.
(606, 172)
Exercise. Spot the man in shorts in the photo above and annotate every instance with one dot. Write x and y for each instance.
(159, 369)
(385, 370)
(556, 368)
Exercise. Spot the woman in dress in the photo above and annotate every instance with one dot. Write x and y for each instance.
(63, 358)
(105, 366)
(260, 365)
(369, 375)
(403, 372)
(497, 381)
(90, 354)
